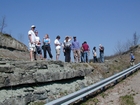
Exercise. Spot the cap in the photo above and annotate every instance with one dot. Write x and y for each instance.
(33, 26)
(74, 37)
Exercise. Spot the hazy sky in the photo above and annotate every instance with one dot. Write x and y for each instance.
(96, 21)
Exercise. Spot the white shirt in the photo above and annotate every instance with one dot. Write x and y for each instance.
(37, 39)
(66, 42)
(56, 41)
(94, 53)
(31, 32)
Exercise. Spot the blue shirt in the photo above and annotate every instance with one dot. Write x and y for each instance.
(46, 41)
(132, 57)
(75, 45)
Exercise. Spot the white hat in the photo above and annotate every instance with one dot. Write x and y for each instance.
(33, 26)
(66, 36)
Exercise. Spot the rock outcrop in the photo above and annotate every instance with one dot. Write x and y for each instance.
(25, 82)
(17, 73)
(6, 41)
(12, 49)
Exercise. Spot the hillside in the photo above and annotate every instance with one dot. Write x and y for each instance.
(127, 92)
(28, 83)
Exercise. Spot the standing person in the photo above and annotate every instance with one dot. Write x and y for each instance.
(132, 59)
(86, 52)
(101, 50)
(63, 45)
(57, 47)
(82, 53)
(67, 48)
(46, 46)
(94, 55)
(32, 48)
(76, 49)
(38, 44)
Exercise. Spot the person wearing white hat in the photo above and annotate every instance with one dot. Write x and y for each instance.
(31, 36)
(67, 48)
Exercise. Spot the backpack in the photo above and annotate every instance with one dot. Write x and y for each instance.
(133, 57)
(102, 49)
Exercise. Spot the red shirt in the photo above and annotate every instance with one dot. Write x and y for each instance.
(85, 47)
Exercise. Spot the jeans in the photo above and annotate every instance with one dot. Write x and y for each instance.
(48, 49)
(86, 56)
(101, 57)
(95, 59)
(82, 57)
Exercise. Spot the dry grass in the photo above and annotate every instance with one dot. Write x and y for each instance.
(127, 100)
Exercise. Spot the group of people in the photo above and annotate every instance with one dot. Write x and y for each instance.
(35, 44)
(80, 52)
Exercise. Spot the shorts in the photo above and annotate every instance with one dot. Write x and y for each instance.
(38, 49)
(57, 51)
(32, 47)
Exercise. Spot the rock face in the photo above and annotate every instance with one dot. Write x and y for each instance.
(6, 41)
(11, 49)
(17, 73)
(25, 82)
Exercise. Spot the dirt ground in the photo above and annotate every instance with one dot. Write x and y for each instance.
(129, 86)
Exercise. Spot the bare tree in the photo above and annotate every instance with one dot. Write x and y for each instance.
(127, 45)
(135, 39)
(123, 47)
(118, 48)
(3, 24)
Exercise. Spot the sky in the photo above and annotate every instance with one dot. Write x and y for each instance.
(105, 22)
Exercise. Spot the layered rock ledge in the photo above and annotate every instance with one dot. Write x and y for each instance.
(12, 49)
(19, 72)
(7, 41)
